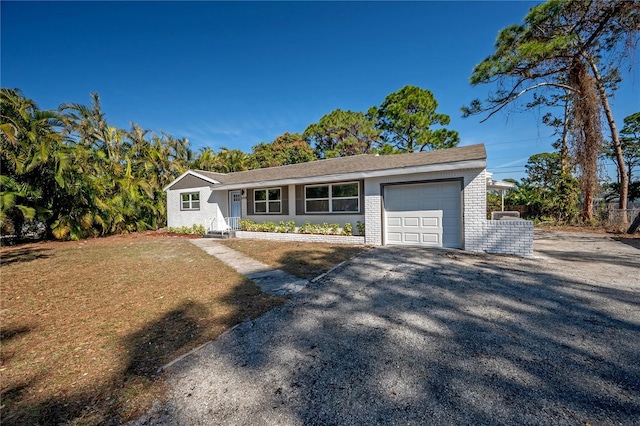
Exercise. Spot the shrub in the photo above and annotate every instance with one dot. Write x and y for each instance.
(189, 230)
(307, 228)
(323, 229)
(268, 227)
(361, 228)
(290, 227)
(247, 225)
(286, 227)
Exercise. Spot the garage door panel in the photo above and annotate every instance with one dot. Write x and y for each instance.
(424, 214)
(431, 222)
(411, 222)
(394, 237)
(430, 239)
(410, 237)
(394, 221)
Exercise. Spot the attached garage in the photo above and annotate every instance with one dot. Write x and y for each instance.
(423, 214)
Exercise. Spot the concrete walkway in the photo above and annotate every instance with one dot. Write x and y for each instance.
(272, 281)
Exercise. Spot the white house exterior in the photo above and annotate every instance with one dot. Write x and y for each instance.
(435, 198)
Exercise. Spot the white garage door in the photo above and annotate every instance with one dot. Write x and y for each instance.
(425, 214)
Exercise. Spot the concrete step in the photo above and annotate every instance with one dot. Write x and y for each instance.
(220, 234)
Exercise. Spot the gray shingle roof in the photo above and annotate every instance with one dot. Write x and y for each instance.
(357, 163)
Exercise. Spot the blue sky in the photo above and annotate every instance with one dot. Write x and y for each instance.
(233, 74)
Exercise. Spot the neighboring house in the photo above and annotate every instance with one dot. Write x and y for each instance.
(435, 198)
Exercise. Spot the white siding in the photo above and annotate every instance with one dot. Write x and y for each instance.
(210, 209)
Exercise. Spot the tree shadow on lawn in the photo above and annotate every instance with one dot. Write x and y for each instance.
(309, 264)
(145, 351)
(25, 254)
(429, 336)
(7, 334)
(118, 398)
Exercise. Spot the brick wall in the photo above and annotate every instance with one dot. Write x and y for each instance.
(475, 202)
(372, 213)
(506, 237)
(311, 238)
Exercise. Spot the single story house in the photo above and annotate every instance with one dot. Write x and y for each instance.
(435, 198)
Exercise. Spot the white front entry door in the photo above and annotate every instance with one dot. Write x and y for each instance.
(424, 214)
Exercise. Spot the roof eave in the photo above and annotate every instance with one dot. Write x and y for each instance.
(192, 173)
(500, 184)
(425, 168)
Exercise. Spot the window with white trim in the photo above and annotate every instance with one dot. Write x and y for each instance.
(190, 201)
(267, 201)
(332, 198)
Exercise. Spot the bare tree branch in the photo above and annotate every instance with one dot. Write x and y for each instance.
(513, 97)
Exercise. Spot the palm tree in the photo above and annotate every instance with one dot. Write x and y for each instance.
(32, 159)
(233, 160)
(206, 160)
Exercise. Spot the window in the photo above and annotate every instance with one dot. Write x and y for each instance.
(332, 198)
(190, 201)
(267, 201)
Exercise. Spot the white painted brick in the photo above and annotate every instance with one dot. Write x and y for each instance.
(505, 237)
(333, 239)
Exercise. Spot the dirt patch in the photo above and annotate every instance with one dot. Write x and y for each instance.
(588, 230)
(170, 234)
(86, 324)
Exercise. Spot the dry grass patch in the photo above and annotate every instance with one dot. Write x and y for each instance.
(304, 260)
(584, 229)
(85, 325)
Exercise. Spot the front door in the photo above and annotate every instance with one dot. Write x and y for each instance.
(235, 203)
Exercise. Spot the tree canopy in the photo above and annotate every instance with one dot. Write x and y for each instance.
(565, 51)
(77, 175)
(406, 118)
(288, 148)
(342, 133)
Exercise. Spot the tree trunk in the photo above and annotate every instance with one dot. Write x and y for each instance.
(587, 206)
(615, 140)
(587, 132)
(564, 147)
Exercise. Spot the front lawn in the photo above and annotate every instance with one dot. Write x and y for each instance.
(85, 325)
(304, 260)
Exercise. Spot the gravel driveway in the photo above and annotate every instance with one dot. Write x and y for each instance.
(414, 336)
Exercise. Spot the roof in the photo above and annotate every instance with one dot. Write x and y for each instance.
(473, 155)
(497, 184)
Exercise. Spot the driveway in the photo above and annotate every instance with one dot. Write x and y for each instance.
(414, 336)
